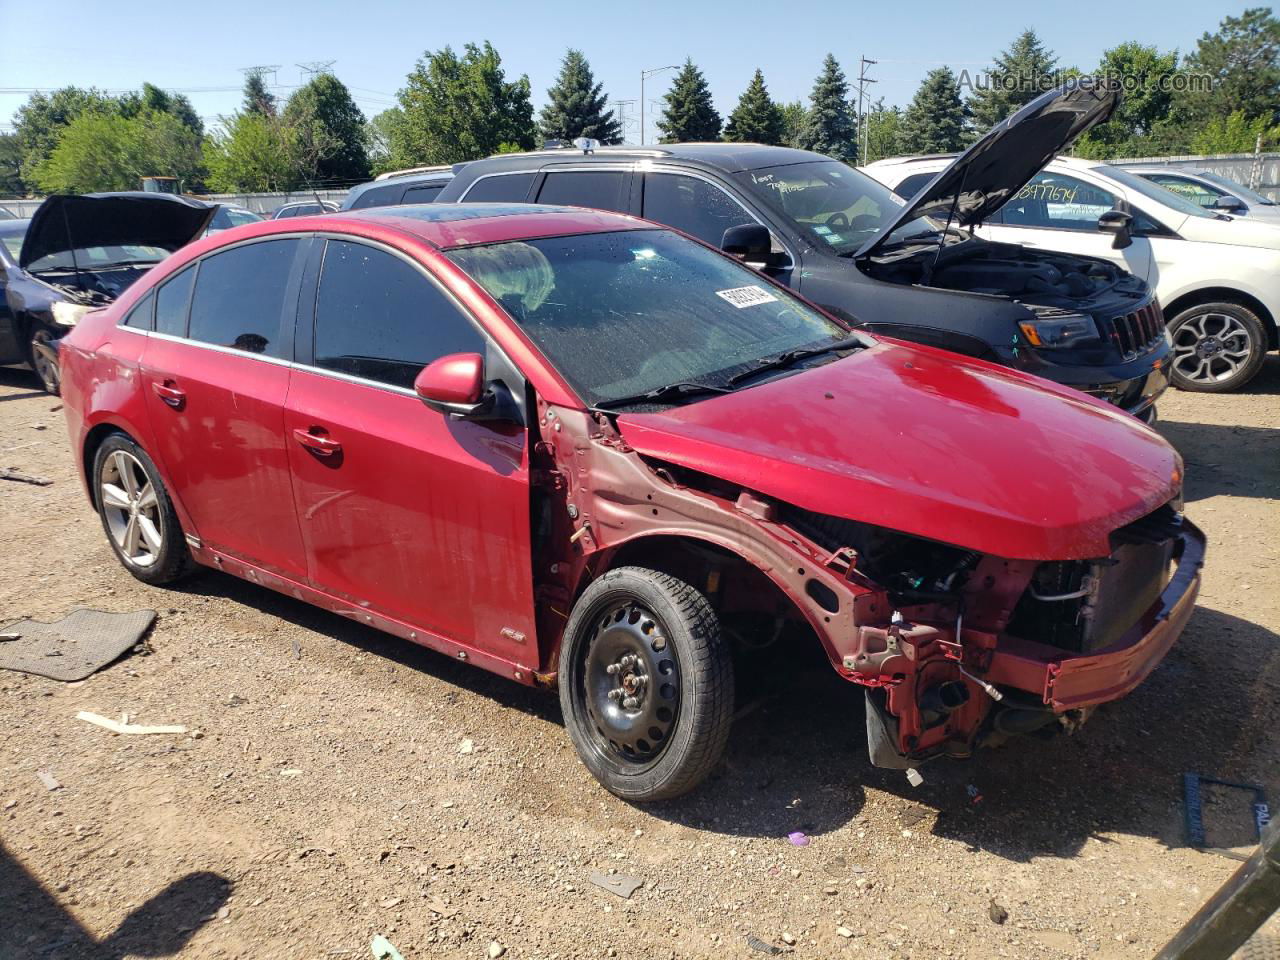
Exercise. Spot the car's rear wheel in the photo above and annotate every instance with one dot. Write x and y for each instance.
(45, 367)
(646, 684)
(137, 514)
(1217, 347)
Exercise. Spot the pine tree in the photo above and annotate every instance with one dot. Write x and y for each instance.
(1018, 76)
(576, 105)
(756, 118)
(257, 98)
(689, 114)
(1243, 58)
(832, 128)
(934, 123)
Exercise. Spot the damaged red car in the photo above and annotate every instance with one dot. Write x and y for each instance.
(577, 449)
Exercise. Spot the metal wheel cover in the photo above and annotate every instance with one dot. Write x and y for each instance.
(634, 724)
(131, 507)
(45, 369)
(1211, 347)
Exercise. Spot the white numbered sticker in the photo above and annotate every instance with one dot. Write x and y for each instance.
(751, 296)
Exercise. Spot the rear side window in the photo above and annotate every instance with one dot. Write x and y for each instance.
(379, 318)
(601, 189)
(698, 208)
(377, 197)
(239, 297)
(423, 194)
(140, 317)
(286, 213)
(171, 303)
(507, 188)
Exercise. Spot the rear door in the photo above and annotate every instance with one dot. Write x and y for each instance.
(405, 511)
(215, 376)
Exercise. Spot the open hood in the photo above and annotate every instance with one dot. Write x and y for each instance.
(162, 220)
(1004, 160)
(931, 444)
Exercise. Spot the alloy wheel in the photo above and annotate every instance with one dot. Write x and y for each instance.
(131, 508)
(1211, 347)
(45, 368)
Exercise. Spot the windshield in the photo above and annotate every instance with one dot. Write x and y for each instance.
(832, 204)
(620, 314)
(1239, 190)
(99, 258)
(12, 243)
(1156, 192)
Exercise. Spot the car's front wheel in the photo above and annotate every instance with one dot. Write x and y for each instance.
(646, 684)
(46, 367)
(1217, 347)
(137, 514)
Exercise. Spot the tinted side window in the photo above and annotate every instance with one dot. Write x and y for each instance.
(286, 213)
(377, 197)
(142, 315)
(698, 208)
(509, 188)
(601, 189)
(239, 296)
(423, 194)
(1057, 201)
(379, 318)
(171, 303)
(910, 186)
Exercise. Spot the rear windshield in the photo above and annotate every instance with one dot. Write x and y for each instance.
(623, 313)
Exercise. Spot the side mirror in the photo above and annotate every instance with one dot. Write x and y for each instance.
(750, 243)
(454, 384)
(1229, 204)
(1119, 224)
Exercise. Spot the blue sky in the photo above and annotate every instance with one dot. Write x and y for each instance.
(199, 48)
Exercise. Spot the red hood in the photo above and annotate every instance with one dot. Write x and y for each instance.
(928, 443)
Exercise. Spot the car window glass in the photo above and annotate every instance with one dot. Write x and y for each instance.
(239, 296)
(1193, 191)
(508, 188)
(1058, 201)
(699, 208)
(140, 316)
(911, 185)
(171, 303)
(285, 212)
(376, 197)
(423, 194)
(379, 318)
(599, 189)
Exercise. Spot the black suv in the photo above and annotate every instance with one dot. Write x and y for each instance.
(909, 270)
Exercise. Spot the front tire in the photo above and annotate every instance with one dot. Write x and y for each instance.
(46, 369)
(137, 514)
(1217, 347)
(646, 684)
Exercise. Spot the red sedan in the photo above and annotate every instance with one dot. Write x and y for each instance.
(573, 447)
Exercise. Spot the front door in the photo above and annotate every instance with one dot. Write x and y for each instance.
(406, 511)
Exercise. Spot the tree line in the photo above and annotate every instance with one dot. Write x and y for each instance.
(458, 106)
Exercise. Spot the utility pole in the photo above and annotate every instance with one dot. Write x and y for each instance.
(622, 116)
(261, 72)
(311, 68)
(863, 80)
(645, 75)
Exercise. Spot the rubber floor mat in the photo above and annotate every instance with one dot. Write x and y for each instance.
(80, 644)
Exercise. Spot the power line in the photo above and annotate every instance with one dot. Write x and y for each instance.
(312, 68)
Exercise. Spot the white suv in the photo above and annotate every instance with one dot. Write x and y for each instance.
(1217, 278)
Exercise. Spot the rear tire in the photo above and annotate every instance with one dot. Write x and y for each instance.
(137, 515)
(1217, 347)
(646, 684)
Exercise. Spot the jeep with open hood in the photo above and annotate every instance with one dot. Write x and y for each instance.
(78, 253)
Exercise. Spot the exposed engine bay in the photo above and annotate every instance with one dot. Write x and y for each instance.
(95, 288)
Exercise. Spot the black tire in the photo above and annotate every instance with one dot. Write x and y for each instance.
(172, 560)
(1217, 347)
(46, 371)
(690, 676)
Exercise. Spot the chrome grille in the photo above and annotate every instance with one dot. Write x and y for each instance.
(1135, 332)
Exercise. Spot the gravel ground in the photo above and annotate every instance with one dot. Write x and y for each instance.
(371, 787)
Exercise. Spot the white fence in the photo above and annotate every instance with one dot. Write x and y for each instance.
(263, 203)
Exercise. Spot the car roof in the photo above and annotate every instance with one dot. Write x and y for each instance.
(396, 179)
(726, 157)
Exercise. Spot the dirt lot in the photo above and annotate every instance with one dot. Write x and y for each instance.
(319, 801)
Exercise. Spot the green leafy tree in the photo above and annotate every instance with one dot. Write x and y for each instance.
(1146, 103)
(1018, 76)
(460, 108)
(109, 151)
(327, 132)
(576, 105)
(40, 121)
(756, 118)
(253, 153)
(689, 115)
(154, 100)
(883, 132)
(1243, 59)
(832, 128)
(934, 122)
(794, 117)
(1234, 133)
(257, 98)
(378, 134)
(11, 165)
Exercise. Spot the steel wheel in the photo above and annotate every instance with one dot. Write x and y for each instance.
(130, 508)
(1211, 348)
(631, 681)
(45, 368)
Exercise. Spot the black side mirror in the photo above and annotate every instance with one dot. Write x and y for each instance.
(749, 242)
(1229, 204)
(1118, 223)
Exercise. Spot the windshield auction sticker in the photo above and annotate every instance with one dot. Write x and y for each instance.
(751, 296)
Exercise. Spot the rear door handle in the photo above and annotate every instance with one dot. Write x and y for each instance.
(315, 440)
(169, 393)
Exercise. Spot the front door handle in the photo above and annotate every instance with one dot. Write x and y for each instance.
(317, 441)
(169, 393)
